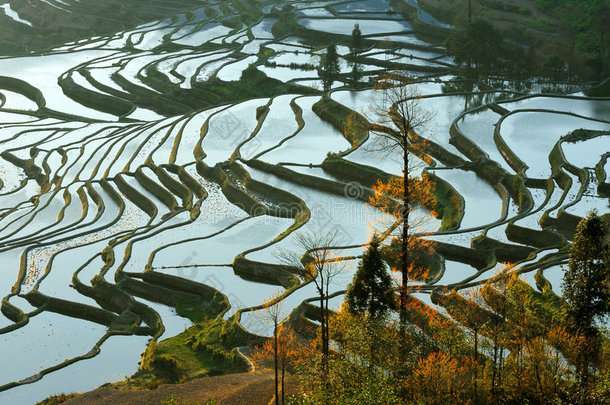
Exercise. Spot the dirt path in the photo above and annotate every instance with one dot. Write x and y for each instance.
(233, 389)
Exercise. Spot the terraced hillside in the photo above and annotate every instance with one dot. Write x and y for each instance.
(149, 173)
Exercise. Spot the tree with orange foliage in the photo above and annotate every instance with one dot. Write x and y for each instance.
(568, 348)
(272, 311)
(440, 378)
(466, 307)
(446, 333)
(503, 310)
(285, 351)
(539, 353)
(396, 117)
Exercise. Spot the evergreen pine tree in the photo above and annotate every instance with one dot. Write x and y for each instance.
(330, 67)
(585, 283)
(370, 292)
(356, 44)
(585, 289)
(356, 49)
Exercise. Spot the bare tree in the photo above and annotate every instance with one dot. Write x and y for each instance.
(318, 265)
(273, 311)
(396, 117)
(285, 350)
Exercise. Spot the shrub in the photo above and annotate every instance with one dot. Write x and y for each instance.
(57, 399)
(170, 367)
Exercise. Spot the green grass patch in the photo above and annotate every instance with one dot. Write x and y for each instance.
(448, 203)
(349, 171)
(352, 125)
(207, 348)
(233, 23)
(515, 185)
(252, 84)
(504, 252)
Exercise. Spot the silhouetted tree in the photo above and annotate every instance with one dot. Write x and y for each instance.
(585, 285)
(601, 27)
(479, 46)
(370, 292)
(356, 49)
(272, 311)
(356, 43)
(396, 118)
(329, 67)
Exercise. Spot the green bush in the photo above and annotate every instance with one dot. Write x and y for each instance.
(542, 25)
(170, 367)
(57, 399)
(211, 12)
(234, 23)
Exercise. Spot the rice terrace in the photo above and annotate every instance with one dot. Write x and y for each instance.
(180, 180)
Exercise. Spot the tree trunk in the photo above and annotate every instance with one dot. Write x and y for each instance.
(283, 377)
(405, 252)
(324, 347)
(493, 372)
(322, 326)
(572, 58)
(495, 362)
(275, 349)
(326, 322)
(476, 366)
(539, 380)
(583, 372)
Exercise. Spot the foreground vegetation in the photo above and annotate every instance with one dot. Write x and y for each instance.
(499, 343)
